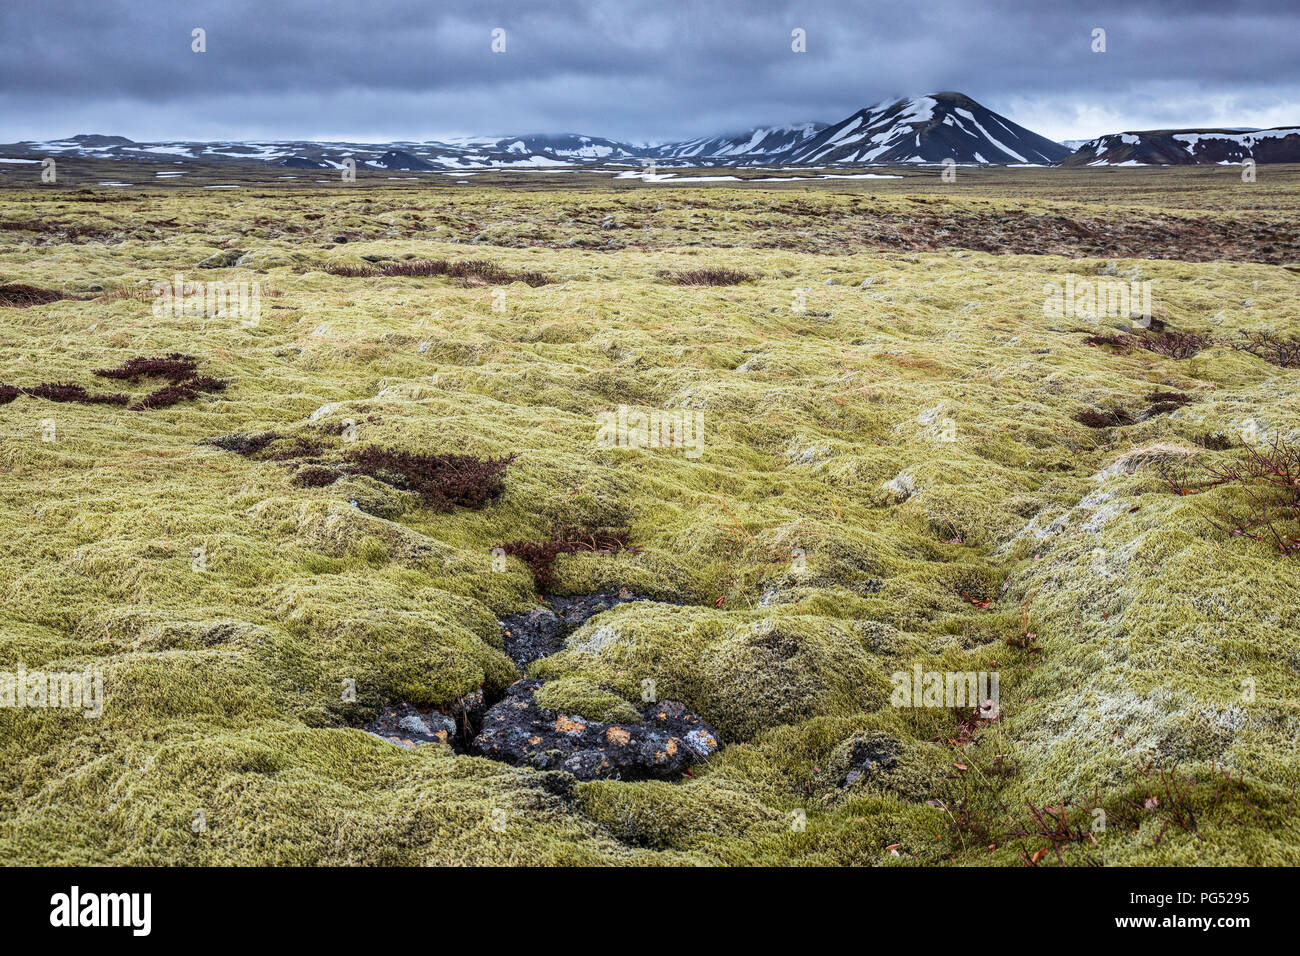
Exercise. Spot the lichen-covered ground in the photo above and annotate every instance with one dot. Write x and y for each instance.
(891, 475)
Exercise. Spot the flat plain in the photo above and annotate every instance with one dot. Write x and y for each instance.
(907, 464)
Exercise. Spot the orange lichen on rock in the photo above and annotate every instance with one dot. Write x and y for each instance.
(566, 725)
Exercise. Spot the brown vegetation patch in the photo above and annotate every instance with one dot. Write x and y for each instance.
(178, 392)
(470, 271)
(19, 296)
(444, 481)
(541, 555)
(1174, 344)
(243, 444)
(1122, 342)
(26, 225)
(174, 366)
(709, 277)
(1114, 418)
(177, 369)
(1261, 343)
(316, 476)
(69, 392)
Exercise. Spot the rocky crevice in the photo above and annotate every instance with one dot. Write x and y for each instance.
(518, 731)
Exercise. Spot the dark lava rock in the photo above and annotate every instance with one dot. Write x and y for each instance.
(557, 783)
(409, 726)
(869, 755)
(519, 732)
(468, 713)
(242, 443)
(541, 631)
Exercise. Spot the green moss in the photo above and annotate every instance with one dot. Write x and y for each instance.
(585, 698)
(873, 469)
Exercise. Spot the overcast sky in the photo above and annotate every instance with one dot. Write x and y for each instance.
(637, 70)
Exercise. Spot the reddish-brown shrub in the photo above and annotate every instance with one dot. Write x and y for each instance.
(174, 366)
(68, 392)
(541, 555)
(316, 476)
(178, 369)
(1114, 418)
(1268, 476)
(206, 383)
(444, 481)
(165, 397)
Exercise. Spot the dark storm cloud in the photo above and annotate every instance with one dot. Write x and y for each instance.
(632, 69)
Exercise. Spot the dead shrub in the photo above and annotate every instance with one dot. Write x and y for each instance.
(472, 271)
(1268, 477)
(1272, 348)
(1173, 344)
(19, 296)
(709, 277)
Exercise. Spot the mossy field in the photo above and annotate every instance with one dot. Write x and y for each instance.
(904, 463)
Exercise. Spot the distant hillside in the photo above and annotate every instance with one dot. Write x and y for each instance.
(1179, 147)
(757, 145)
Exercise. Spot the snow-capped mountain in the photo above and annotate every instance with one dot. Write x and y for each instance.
(926, 129)
(1183, 146)
(923, 129)
(469, 153)
(565, 145)
(759, 144)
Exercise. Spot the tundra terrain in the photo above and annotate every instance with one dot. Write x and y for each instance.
(725, 472)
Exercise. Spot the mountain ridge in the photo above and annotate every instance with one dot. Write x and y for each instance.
(934, 128)
(1181, 147)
